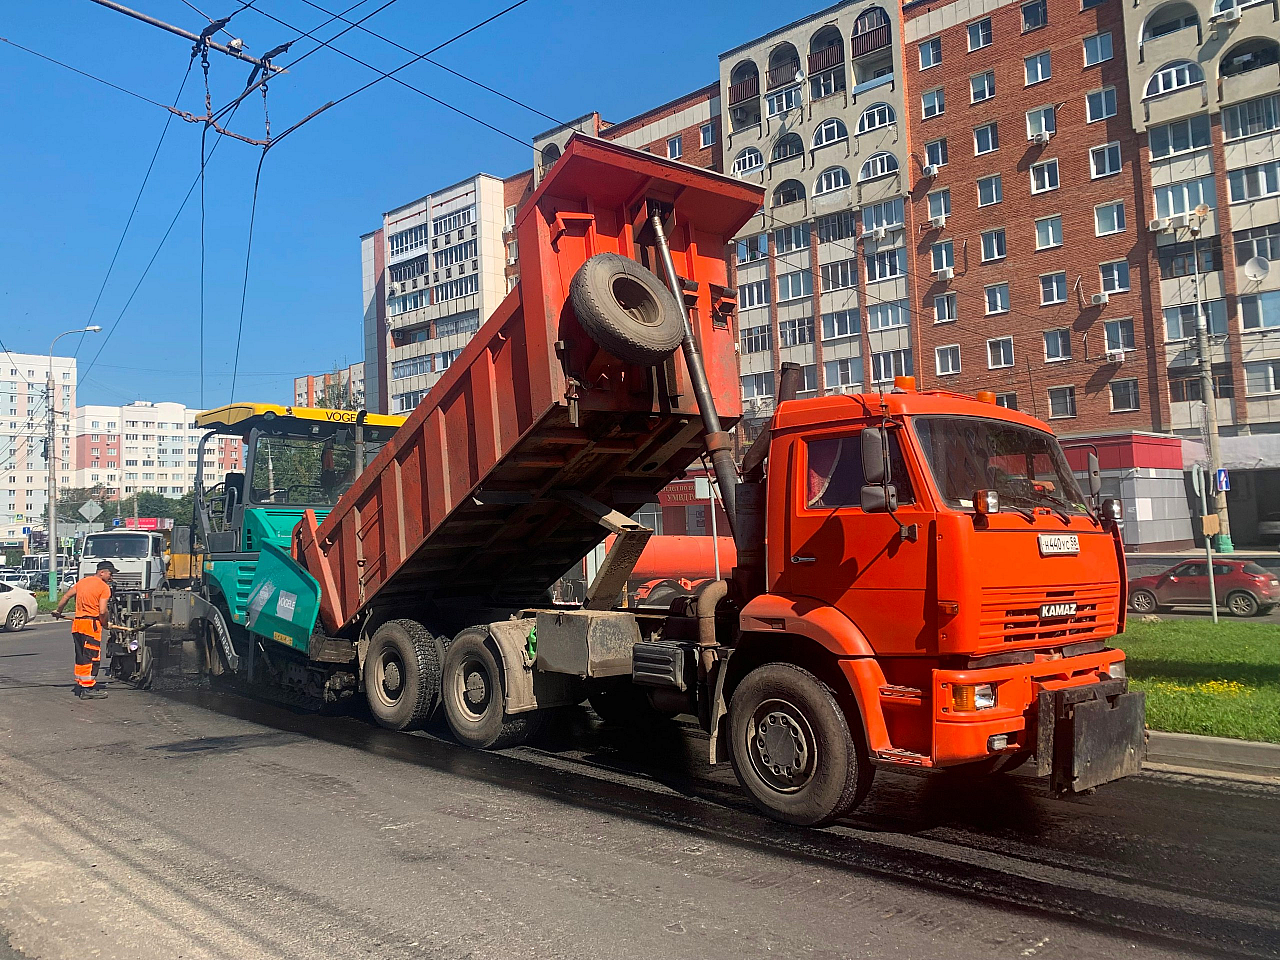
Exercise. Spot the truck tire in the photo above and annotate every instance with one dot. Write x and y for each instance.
(626, 310)
(792, 749)
(402, 675)
(472, 694)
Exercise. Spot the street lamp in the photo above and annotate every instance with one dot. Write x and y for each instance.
(51, 441)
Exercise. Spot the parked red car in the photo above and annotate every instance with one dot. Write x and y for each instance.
(1243, 587)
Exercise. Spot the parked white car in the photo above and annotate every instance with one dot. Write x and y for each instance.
(17, 606)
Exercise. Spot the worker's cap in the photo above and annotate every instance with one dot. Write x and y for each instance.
(107, 565)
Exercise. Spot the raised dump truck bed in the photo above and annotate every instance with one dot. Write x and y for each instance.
(482, 490)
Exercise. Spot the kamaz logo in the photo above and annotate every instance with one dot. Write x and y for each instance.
(1048, 611)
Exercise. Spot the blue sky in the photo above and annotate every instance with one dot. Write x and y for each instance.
(74, 152)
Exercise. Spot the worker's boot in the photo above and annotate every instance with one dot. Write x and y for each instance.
(91, 693)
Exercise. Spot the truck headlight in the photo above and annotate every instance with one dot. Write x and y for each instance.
(1117, 670)
(973, 696)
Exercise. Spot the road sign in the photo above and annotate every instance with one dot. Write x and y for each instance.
(90, 510)
(116, 522)
(1223, 480)
(26, 531)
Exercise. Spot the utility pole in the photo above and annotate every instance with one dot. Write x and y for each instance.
(51, 459)
(1212, 440)
(235, 49)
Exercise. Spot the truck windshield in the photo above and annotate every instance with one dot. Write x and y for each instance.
(305, 471)
(117, 547)
(1026, 467)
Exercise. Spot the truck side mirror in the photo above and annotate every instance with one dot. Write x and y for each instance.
(879, 498)
(873, 459)
(1095, 476)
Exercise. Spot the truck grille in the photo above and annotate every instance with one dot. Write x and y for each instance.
(127, 581)
(1011, 615)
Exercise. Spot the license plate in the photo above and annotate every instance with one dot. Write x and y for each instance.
(1049, 611)
(1058, 543)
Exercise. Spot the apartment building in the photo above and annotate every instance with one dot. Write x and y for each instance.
(343, 388)
(146, 447)
(24, 478)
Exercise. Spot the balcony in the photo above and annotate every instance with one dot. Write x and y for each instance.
(1176, 105)
(825, 59)
(744, 90)
(871, 84)
(1257, 82)
(783, 74)
(869, 41)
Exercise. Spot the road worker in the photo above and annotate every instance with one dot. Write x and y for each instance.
(92, 594)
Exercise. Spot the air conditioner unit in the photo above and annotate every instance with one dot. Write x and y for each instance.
(944, 273)
(1158, 225)
(1042, 137)
(879, 233)
(1179, 221)
(1229, 15)
(1100, 299)
(1115, 356)
(938, 222)
(930, 170)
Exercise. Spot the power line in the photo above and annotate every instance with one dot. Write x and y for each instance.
(67, 66)
(244, 289)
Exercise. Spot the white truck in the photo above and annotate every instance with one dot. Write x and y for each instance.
(140, 557)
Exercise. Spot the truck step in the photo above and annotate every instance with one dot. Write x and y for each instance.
(907, 758)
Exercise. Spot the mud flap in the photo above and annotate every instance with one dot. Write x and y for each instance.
(1087, 736)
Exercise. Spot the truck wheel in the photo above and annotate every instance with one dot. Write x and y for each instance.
(791, 747)
(471, 690)
(402, 674)
(626, 309)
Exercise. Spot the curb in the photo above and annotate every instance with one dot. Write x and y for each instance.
(1214, 754)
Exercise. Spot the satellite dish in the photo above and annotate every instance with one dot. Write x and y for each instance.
(1202, 210)
(1257, 268)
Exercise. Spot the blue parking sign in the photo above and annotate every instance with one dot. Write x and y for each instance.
(1223, 480)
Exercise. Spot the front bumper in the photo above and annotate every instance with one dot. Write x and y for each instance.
(1086, 736)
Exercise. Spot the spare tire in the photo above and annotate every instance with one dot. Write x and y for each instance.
(626, 310)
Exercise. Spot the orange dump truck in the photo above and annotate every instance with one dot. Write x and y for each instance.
(920, 581)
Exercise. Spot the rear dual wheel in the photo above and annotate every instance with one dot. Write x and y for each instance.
(473, 696)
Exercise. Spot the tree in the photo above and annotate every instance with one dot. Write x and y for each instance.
(338, 393)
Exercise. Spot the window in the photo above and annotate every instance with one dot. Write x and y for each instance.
(846, 372)
(997, 298)
(1057, 345)
(1108, 218)
(1180, 320)
(840, 274)
(1262, 377)
(1115, 276)
(839, 226)
(1034, 15)
(830, 131)
(878, 165)
(885, 265)
(753, 294)
(789, 191)
(787, 146)
(674, 148)
(945, 308)
(1044, 176)
(793, 286)
(935, 152)
(1007, 400)
(885, 316)
(827, 83)
(990, 191)
(754, 339)
(1179, 259)
(993, 246)
(782, 101)
(933, 102)
(944, 255)
(1119, 334)
(1124, 395)
(892, 363)
(1179, 136)
(1184, 383)
(1036, 68)
(1104, 161)
(706, 135)
(980, 34)
(831, 179)
(1100, 104)
(756, 385)
(1185, 196)
(1260, 311)
(1053, 288)
(1252, 183)
(1041, 120)
(1174, 76)
(982, 87)
(841, 323)
(1258, 242)
(886, 214)
(930, 53)
(876, 116)
(1062, 402)
(940, 203)
(1251, 117)
(1048, 233)
(1000, 353)
(753, 248)
(448, 222)
(1097, 49)
(986, 139)
(947, 360)
(455, 289)
(748, 160)
(787, 239)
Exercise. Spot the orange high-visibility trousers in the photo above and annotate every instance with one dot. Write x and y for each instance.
(88, 657)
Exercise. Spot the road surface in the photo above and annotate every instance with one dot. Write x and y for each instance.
(205, 825)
